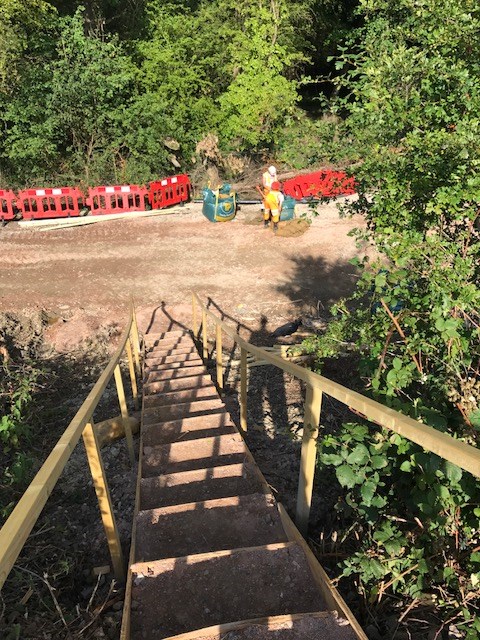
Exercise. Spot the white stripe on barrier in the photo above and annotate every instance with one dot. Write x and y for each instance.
(125, 189)
(164, 182)
(40, 192)
(57, 192)
(109, 189)
(174, 180)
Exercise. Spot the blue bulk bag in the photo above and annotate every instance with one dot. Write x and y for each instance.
(288, 209)
(219, 205)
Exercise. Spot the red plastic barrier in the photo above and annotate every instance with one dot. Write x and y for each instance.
(50, 203)
(116, 199)
(7, 208)
(319, 184)
(174, 190)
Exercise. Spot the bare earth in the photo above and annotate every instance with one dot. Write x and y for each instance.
(85, 275)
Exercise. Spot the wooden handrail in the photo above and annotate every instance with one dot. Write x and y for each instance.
(21, 521)
(442, 444)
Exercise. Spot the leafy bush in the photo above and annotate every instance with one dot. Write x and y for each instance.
(17, 386)
(305, 142)
(412, 74)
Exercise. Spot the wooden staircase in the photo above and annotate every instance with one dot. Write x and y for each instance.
(213, 555)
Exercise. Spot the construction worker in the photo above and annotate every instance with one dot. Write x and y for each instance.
(269, 176)
(273, 206)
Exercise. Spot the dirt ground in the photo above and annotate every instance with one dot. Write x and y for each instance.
(84, 276)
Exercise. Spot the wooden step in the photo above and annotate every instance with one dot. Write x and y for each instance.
(215, 424)
(183, 594)
(200, 485)
(168, 343)
(174, 373)
(170, 366)
(181, 396)
(178, 411)
(152, 338)
(175, 358)
(211, 525)
(318, 625)
(170, 351)
(188, 382)
(194, 454)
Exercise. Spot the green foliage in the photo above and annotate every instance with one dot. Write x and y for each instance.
(412, 78)
(22, 21)
(90, 93)
(17, 386)
(305, 142)
(413, 512)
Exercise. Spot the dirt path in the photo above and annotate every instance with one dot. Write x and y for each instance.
(85, 275)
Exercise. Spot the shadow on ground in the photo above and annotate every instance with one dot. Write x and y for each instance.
(318, 282)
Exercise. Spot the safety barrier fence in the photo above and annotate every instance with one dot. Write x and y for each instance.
(17, 528)
(163, 193)
(326, 183)
(463, 455)
(50, 203)
(7, 202)
(117, 199)
(63, 202)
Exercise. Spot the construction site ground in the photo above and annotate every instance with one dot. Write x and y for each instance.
(84, 276)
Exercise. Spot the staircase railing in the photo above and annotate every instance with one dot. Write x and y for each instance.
(460, 453)
(21, 521)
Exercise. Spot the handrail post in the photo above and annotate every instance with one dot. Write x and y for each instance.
(194, 316)
(104, 500)
(204, 334)
(134, 335)
(133, 379)
(218, 350)
(313, 404)
(123, 408)
(243, 389)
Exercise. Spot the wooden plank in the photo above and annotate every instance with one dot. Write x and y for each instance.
(204, 334)
(333, 599)
(227, 627)
(218, 351)
(313, 404)
(124, 411)
(17, 528)
(135, 339)
(54, 224)
(464, 455)
(114, 428)
(133, 378)
(194, 317)
(126, 613)
(209, 555)
(243, 391)
(95, 463)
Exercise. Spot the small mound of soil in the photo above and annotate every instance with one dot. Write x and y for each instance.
(292, 228)
(253, 218)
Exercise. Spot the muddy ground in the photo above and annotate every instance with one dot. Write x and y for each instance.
(72, 287)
